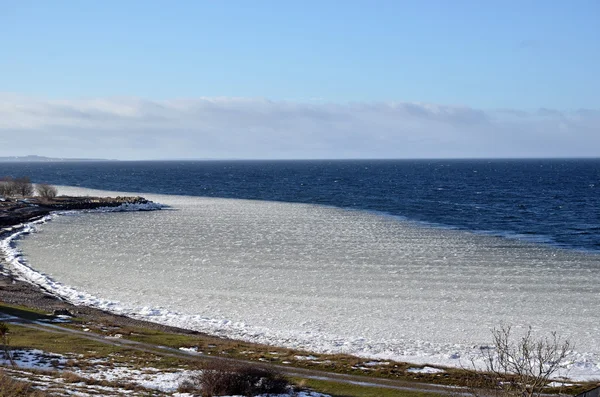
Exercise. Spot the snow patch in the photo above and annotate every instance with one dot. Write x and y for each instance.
(559, 384)
(306, 358)
(150, 378)
(33, 359)
(425, 370)
(375, 363)
(189, 349)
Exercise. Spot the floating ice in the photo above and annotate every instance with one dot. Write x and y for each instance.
(318, 278)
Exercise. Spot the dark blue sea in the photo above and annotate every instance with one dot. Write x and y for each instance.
(555, 202)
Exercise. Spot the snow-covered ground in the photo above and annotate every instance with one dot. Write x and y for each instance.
(55, 375)
(317, 278)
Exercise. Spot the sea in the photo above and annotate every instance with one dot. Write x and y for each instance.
(412, 260)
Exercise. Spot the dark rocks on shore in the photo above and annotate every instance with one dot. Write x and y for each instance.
(16, 211)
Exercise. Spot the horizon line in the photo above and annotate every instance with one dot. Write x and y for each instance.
(43, 159)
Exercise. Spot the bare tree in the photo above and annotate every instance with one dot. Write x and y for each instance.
(46, 191)
(20, 186)
(23, 186)
(519, 367)
(7, 186)
(5, 341)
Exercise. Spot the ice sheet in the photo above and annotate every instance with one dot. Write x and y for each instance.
(319, 278)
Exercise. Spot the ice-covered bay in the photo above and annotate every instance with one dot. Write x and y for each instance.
(321, 278)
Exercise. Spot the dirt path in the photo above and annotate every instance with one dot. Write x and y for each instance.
(289, 371)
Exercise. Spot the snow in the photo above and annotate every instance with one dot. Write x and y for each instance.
(306, 358)
(189, 349)
(559, 384)
(315, 278)
(375, 363)
(425, 370)
(33, 359)
(60, 319)
(147, 377)
(150, 378)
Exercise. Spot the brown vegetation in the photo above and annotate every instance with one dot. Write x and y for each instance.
(12, 388)
(10, 187)
(7, 187)
(23, 186)
(46, 191)
(518, 367)
(223, 378)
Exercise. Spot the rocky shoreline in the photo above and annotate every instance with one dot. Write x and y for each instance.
(14, 212)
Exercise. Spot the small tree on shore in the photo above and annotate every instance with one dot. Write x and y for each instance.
(7, 186)
(519, 367)
(46, 191)
(23, 186)
(10, 187)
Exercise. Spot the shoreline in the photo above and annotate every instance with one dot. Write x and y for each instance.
(15, 215)
(14, 212)
(29, 294)
(23, 296)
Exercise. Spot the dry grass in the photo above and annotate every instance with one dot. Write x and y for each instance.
(71, 377)
(13, 388)
(85, 350)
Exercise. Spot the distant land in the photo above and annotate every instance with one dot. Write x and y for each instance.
(34, 158)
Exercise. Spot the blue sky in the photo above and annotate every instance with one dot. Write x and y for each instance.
(487, 56)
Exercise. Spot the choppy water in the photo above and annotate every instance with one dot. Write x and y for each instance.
(553, 202)
(322, 278)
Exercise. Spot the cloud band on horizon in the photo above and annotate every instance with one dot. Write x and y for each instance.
(253, 128)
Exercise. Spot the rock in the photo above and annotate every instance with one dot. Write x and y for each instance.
(62, 312)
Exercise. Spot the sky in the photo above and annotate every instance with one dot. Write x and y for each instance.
(306, 79)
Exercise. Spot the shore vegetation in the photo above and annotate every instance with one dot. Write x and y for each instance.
(519, 366)
(46, 191)
(21, 186)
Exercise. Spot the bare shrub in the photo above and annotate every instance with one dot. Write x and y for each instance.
(7, 187)
(46, 191)
(12, 187)
(23, 186)
(519, 367)
(222, 378)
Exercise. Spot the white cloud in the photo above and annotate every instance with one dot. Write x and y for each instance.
(135, 128)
